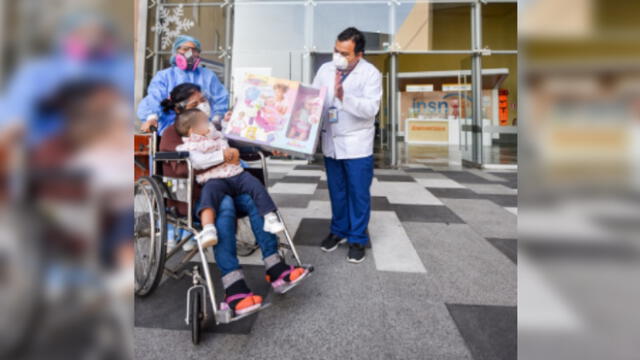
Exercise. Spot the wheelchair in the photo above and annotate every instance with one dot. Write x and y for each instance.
(152, 216)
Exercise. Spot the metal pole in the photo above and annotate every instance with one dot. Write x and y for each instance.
(476, 82)
(393, 111)
(140, 49)
(393, 108)
(156, 39)
(227, 45)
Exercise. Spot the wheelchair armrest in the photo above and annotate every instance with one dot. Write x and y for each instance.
(250, 156)
(252, 153)
(171, 155)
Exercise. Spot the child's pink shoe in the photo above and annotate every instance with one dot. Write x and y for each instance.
(281, 286)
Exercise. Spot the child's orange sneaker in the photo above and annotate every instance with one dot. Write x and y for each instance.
(288, 279)
(247, 303)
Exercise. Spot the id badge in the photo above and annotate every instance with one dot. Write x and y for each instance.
(333, 114)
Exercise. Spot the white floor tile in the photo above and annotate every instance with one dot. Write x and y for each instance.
(392, 250)
(409, 193)
(317, 209)
(313, 173)
(492, 189)
(293, 188)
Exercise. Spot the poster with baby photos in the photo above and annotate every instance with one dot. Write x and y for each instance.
(277, 114)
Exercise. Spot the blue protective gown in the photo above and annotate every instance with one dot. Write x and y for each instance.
(165, 80)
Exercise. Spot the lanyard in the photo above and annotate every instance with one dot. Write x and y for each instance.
(344, 74)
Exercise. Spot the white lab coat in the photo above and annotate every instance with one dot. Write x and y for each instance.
(352, 136)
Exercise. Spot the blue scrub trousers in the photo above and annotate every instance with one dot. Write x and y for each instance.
(349, 183)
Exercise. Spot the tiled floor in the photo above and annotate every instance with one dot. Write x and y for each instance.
(439, 281)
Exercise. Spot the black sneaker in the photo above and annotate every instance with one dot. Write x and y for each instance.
(331, 243)
(356, 253)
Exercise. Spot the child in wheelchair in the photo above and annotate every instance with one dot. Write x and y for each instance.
(224, 176)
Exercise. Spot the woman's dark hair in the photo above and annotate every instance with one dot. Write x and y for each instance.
(179, 94)
(354, 35)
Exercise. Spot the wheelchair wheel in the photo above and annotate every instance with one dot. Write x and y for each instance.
(196, 317)
(150, 235)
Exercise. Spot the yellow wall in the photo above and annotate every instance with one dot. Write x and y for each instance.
(451, 30)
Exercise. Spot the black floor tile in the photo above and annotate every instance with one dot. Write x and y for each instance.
(426, 213)
(170, 298)
(490, 332)
(509, 247)
(395, 178)
(451, 193)
(502, 200)
(309, 167)
(300, 179)
(512, 176)
(513, 184)
(380, 203)
(291, 200)
(465, 177)
(322, 184)
(311, 232)
(418, 170)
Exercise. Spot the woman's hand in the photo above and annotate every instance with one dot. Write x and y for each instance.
(146, 126)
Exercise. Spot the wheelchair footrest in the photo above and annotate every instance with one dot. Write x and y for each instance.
(285, 288)
(226, 315)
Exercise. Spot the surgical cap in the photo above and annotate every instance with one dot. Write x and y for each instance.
(181, 39)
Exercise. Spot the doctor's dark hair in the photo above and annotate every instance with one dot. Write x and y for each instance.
(354, 35)
(179, 94)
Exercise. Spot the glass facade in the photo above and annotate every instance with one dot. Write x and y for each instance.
(463, 51)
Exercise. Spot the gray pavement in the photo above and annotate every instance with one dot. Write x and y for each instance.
(439, 281)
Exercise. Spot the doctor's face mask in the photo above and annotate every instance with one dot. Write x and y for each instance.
(344, 56)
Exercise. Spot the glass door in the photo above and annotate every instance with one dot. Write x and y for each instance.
(465, 112)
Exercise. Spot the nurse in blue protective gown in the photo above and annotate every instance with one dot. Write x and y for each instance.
(185, 68)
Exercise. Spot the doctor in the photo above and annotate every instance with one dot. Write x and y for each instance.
(353, 100)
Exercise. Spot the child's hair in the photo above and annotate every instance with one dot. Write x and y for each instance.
(184, 121)
(179, 94)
